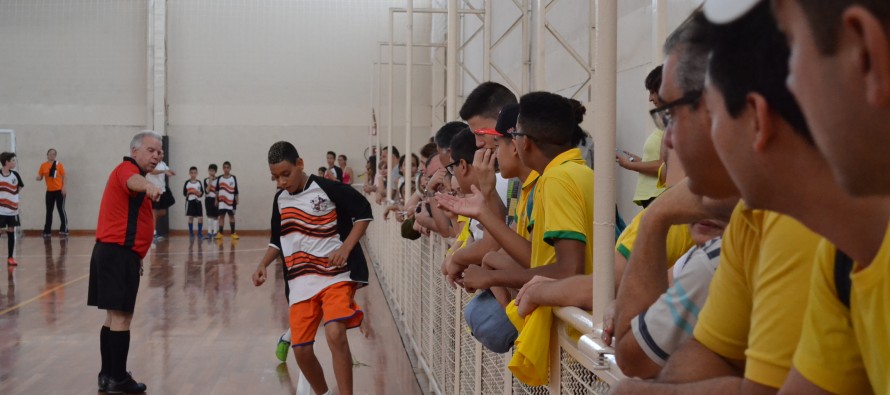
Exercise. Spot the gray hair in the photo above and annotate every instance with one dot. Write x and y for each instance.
(136, 142)
(691, 42)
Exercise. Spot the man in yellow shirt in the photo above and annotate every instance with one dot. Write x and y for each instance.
(748, 329)
(847, 104)
(56, 191)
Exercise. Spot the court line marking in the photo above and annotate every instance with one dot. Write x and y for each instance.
(51, 290)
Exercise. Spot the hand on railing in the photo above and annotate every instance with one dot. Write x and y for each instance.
(526, 298)
(609, 324)
(475, 277)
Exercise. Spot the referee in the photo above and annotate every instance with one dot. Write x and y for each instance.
(123, 236)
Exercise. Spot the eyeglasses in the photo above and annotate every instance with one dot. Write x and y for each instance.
(514, 135)
(449, 168)
(661, 115)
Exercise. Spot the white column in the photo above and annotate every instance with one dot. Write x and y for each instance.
(157, 70)
(409, 70)
(604, 114)
(451, 62)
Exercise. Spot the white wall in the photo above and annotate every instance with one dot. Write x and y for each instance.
(241, 74)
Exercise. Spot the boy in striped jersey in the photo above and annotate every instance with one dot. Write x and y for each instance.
(193, 190)
(10, 186)
(226, 199)
(210, 200)
(316, 228)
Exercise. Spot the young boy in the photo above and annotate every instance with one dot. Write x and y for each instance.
(210, 200)
(226, 199)
(316, 228)
(10, 186)
(193, 190)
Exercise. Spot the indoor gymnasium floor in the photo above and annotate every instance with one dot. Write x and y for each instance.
(200, 326)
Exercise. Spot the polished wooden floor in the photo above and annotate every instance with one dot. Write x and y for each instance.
(200, 326)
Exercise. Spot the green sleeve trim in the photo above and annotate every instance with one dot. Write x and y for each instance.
(550, 237)
(624, 251)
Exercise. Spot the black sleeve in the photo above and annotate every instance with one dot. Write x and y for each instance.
(236, 184)
(185, 189)
(348, 200)
(19, 177)
(275, 224)
(201, 185)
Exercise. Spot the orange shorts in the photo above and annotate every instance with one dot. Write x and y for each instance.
(334, 303)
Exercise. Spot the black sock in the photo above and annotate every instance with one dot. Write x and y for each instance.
(120, 349)
(232, 226)
(220, 229)
(11, 242)
(104, 348)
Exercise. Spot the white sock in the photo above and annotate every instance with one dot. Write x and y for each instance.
(286, 336)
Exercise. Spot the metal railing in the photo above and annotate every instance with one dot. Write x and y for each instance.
(429, 314)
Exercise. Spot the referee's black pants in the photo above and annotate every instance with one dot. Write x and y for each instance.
(55, 198)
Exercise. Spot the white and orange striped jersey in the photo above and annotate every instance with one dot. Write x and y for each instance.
(10, 186)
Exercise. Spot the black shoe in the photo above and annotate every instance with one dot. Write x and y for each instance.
(103, 382)
(125, 386)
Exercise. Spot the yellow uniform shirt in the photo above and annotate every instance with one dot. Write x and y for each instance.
(828, 354)
(870, 309)
(679, 240)
(647, 186)
(563, 208)
(525, 204)
(755, 307)
(464, 234)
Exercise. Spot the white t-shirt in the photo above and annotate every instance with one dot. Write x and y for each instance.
(158, 179)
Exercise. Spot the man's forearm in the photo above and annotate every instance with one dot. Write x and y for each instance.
(553, 293)
(137, 183)
(473, 254)
(516, 278)
(513, 244)
(721, 385)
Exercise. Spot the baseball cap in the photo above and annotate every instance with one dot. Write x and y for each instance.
(725, 11)
(507, 119)
(489, 324)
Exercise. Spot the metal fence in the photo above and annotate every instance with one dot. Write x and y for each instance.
(429, 314)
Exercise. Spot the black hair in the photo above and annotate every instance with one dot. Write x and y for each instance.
(579, 110)
(463, 146)
(226, 163)
(447, 132)
(428, 151)
(486, 101)
(414, 159)
(6, 157)
(395, 151)
(212, 167)
(195, 168)
(322, 169)
(51, 149)
(824, 18)
(343, 156)
(653, 80)
(547, 118)
(750, 55)
(332, 153)
(372, 161)
(283, 151)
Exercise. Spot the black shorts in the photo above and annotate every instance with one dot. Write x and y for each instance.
(9, 221)
(222, 212)
(193, 208)
(115, 271)
(165, 201)
(210, 203)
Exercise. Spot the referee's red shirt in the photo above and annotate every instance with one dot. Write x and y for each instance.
(125, 216)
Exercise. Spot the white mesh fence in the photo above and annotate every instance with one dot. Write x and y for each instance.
(430, 314)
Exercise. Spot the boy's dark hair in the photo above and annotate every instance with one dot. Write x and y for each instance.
(322, 169)
(334, 154)
(6, 157)
(51, 150)
(692, 43)
(395, 151)
(447, 132)
(653, 80)
(212, 167)
(343, 156)
(486, 101)
(547, 119)
(463, 146)
(226, 163)
(195, 168)
(283, 151)
(750, 55)
(824, 18)
(579, 110)
(428, 150)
